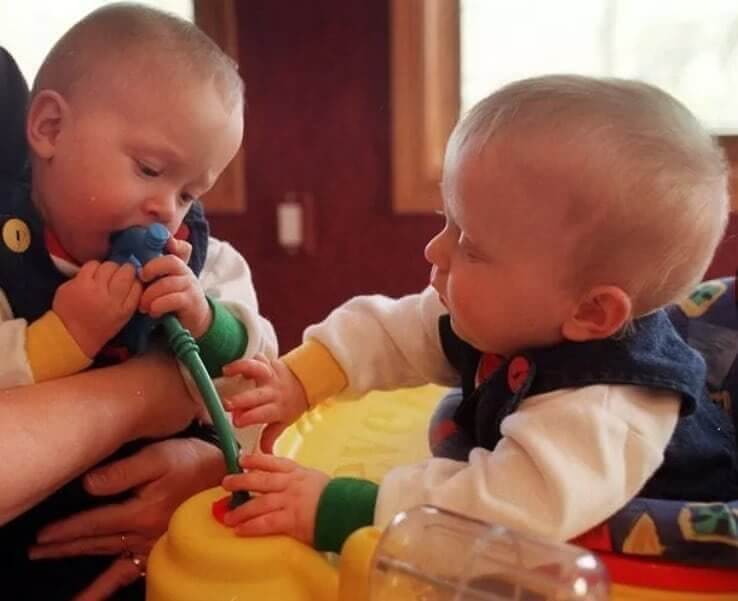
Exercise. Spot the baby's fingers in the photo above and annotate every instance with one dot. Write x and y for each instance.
(164, 265)
(170, 303)
(105, 273)
(87, 271)
(248, 399)
(123, 280)
(268, 463)
(162, 288)
(180, 248)
(265, 414)
(257, 481)
(251, 369)
(276, 522)
(257, 506)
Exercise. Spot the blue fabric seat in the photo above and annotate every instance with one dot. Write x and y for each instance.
(13, 103)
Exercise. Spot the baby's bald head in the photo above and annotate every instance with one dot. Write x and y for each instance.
(123, 46)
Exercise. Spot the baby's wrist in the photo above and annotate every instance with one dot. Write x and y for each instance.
(224, 340)
(205, 321)
(86, 341)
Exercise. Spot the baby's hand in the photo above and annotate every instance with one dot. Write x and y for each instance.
(287, 501)
(278, 398)
(175, 289)
(97, 302)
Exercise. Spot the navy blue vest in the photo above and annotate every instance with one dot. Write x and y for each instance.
(700, 462)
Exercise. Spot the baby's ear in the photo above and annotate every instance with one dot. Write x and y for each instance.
(601, 313)
(45, 119)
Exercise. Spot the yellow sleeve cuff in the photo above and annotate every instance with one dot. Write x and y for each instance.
(320, 374)
(52, 351)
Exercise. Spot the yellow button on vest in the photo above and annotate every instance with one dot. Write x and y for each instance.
(16, 235)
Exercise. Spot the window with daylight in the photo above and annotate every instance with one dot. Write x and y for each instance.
(447, 54)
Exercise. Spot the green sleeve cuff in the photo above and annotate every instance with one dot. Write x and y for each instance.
(225, 340)
(346, 505)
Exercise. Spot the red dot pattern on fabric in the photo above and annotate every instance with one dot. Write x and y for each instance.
(488, 364)
(517, 373)
(442, 431)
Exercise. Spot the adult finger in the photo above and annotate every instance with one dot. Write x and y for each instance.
(112, 544)
(102, 521)
(121, 572)
(146, 465)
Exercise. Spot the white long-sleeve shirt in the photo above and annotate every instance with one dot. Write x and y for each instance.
(225, 277)
(568, 459)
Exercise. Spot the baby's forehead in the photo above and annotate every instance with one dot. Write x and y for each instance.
(526, 184)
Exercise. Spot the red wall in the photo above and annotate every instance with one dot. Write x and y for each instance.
(317, 76)
(726, 258)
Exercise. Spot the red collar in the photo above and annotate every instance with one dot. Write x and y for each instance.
(55, 248)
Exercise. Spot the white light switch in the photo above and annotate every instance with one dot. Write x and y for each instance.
(290, 225)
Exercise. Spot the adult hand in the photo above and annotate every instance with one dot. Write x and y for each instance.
(160, 477)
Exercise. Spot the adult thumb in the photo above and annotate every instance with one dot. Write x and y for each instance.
(124, 474)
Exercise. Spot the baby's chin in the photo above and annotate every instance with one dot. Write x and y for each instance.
(459, 331)
(480, 345)
(97, 250)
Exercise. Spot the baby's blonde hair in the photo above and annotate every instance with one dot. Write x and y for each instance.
(128, 43)
(636, 167)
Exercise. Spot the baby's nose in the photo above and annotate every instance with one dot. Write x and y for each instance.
(162, 208)
(434, 253)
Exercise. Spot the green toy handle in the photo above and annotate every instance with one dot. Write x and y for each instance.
(185, 348)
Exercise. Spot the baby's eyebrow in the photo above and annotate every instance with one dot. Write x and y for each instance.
(161, 150)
